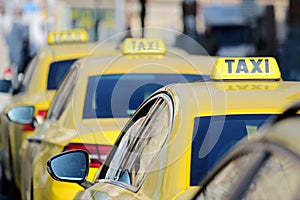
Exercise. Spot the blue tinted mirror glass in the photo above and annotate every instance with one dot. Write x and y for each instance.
(70, 166)
(21, 114)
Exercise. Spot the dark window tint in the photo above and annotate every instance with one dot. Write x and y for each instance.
(119, 95)
(57, 71)
(214, 136)
(63, 94)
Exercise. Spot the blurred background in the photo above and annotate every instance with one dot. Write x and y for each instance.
(222, 27)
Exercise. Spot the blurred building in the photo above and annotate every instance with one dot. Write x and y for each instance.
(103, 18)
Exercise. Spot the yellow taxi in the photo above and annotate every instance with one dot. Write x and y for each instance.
(264, 167)
(41, 79)
(93, 103)
(178, 134)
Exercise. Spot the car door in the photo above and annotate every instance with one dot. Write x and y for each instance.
(31, 147)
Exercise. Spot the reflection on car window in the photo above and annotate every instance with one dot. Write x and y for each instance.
(140, 145)
(213, 136)
(119, 95)
(57, 71)
(63, 94)
(278, 179)
(224, 182)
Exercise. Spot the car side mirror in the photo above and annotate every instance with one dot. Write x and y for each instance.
(70, 166)
(21, 114)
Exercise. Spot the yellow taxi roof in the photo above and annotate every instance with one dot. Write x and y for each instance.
(187, 64)
(76, 50)
(60, 52)
(119, 64)
(246, 97)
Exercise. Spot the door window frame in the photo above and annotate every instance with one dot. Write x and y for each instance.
(64, 93)
(142, 111)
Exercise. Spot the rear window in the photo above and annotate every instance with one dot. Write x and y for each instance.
(119, 95)
(57, 71)
(214, 136)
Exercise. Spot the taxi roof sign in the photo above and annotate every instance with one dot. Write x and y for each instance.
(246, 68)
(138, 46)
(68, 36)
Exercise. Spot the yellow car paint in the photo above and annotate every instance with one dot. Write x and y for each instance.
(71, 128)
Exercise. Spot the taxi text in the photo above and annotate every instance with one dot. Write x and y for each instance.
(259, 66)
(143, 46)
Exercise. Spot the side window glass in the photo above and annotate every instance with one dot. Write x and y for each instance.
(63, 94)
(141, 143)
(279, 178)
(57, 71)
(29, 72)
(223, 183)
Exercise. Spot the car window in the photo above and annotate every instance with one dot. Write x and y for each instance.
(279, 178)
(222, 185)
(213, 136)
(63, 94)
(57, 71)
(140, 143)
(29, 72)
(119, 95)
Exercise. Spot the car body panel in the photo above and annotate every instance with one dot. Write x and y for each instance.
(169, 177)
(37, 94)
(72, 128)
(276, 138)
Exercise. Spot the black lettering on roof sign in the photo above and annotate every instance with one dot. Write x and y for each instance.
(242, 66)
(141, 46)
(69, 36)
(256, 66)
(229, 65)
(267, 66)
(150, 45)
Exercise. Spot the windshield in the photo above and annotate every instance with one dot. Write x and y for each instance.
(214, 136)
(57, 71)
(119, 95)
